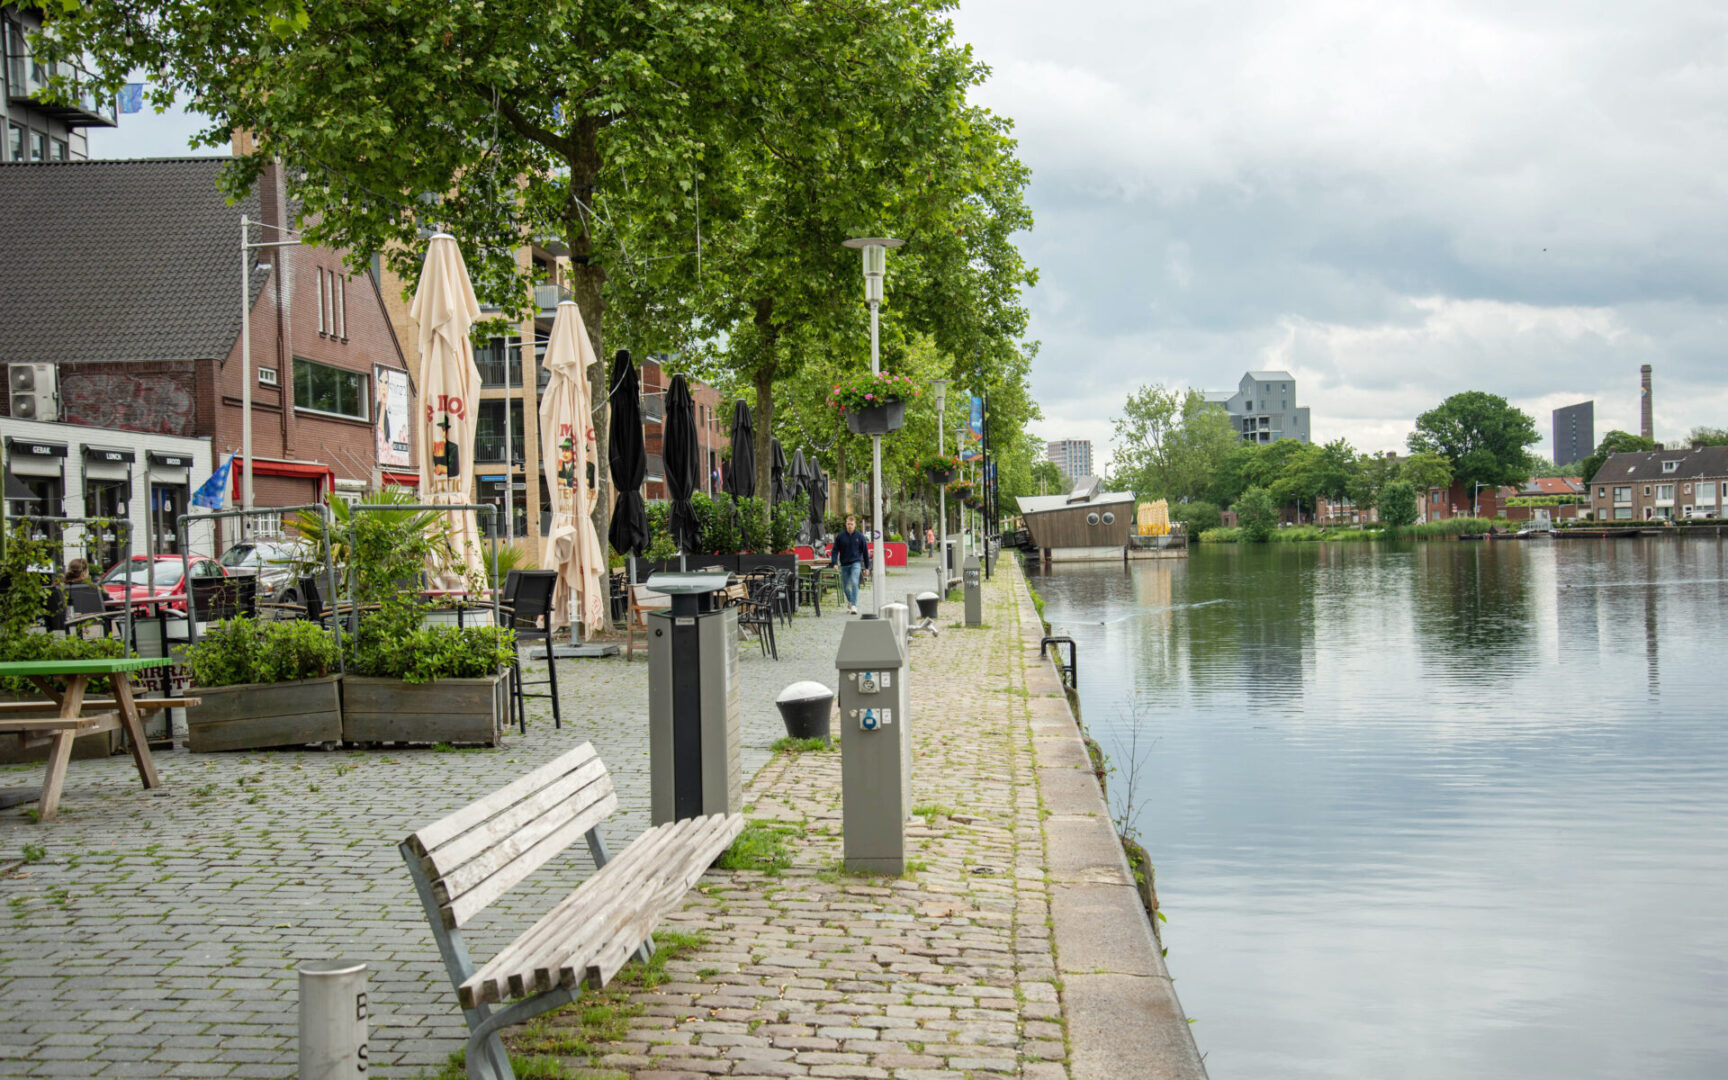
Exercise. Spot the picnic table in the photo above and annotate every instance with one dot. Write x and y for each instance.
(120, 711)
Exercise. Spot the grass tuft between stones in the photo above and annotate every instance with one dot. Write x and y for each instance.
(762, 846)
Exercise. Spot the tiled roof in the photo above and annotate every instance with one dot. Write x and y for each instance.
(119, 260)
(1643, 465)
(1271, 376)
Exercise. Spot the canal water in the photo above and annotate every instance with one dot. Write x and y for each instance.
(1427, 810)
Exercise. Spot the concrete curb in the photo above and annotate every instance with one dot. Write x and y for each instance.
(1123, 1015)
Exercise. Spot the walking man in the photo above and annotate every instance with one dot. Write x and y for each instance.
(852, 552)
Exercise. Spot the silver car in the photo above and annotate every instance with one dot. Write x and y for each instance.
(272, 561)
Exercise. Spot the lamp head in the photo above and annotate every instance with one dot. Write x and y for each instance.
(875, 249)
(939, 389)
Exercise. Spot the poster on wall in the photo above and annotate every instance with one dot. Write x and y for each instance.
(391, 385)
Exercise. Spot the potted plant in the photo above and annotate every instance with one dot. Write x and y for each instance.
(407, 681)
(940, 468)
(873, 404)
(961, 490)
(263, 684)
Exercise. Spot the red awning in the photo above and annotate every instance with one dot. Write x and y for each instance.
(305, 470)
(401, 479)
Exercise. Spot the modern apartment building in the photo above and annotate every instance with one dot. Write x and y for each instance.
(1263, 407)
(1574, 432)
(1073, 457)
(1661, 485)
(37, 131)
(120, 308)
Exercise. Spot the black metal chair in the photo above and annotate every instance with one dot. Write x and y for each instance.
(756, 615)
(526, 607)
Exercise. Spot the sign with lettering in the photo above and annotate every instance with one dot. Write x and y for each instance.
(394, 445)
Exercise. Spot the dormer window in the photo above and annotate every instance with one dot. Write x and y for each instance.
(1670, 466)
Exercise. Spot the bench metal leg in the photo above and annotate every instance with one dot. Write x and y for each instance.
(487, 1059)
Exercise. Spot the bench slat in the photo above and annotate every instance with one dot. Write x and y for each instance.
(142, 704)
(83, 725)
(561, 925)
(653, 871)
(475, 899)
(478, 853)
(448, 828)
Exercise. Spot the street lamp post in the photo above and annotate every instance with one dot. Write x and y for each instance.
(246, 246)
(875, 249)
(940, 388)
(1476, 499)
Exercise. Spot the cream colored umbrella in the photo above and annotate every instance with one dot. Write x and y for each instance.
(571, 458)
(444, 309)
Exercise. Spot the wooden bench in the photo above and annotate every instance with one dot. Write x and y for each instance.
(465, 862)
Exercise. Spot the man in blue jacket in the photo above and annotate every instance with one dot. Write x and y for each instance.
(852, 552)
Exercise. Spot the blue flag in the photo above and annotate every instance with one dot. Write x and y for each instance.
(215, 489)
(132, 98)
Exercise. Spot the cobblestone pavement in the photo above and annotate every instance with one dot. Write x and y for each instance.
(946, 973)
(155, 933)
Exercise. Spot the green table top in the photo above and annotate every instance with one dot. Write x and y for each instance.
(101, 666)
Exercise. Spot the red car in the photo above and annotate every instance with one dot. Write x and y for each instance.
(132, 580)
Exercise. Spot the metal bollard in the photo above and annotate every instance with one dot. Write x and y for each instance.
(333, 1024)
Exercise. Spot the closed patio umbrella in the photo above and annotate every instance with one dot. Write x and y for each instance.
(796, 478)
(444, 309)
(818, 501)
(571, 460)
(779, 492)
(628, 458)
(678, 448)
(741, 474)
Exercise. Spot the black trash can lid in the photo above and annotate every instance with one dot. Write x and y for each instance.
(927, 595)
(804, 691)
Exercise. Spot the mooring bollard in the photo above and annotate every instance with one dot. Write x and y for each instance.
(333, 1024)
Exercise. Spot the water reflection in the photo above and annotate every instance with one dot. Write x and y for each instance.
(1428, 810)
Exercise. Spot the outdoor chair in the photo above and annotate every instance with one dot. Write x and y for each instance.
(756, 616)
(642, 600)
(529, 613)
(87, 606)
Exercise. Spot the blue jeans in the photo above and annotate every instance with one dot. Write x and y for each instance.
(849, 575)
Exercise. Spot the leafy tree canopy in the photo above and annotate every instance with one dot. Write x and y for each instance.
(1398, 504)
(1170, 443)
(1481, 435)
(1426, 470)
(1257, 514)
(1709, 436)
(1615, 442)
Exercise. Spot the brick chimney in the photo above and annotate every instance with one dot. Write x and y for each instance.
(1648, 430)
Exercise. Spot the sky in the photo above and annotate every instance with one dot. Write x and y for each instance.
(1394, 202)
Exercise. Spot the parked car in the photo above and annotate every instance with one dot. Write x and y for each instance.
(273, 562)
(132, 579)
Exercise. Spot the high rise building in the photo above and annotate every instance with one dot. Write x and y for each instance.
(1073, 457)
(1263, 409)
(1574, 432)
(38, 130)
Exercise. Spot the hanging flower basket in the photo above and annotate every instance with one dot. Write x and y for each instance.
(873, 404)
(940, 468)
(877, 419)
(961, 491)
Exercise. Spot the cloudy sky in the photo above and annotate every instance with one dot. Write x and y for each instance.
(1396, 202)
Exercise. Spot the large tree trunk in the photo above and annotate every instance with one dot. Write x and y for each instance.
(768, 364)
(587, 280)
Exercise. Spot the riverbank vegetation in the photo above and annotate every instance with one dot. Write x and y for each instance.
(1295, 534)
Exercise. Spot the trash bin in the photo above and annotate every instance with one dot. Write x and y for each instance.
(694, 737)
(805, 707)
(927, 605)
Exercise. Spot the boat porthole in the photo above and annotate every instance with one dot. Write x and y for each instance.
(1091, 519)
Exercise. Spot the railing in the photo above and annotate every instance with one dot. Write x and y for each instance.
(29, 78)
(548, 297)
(1070, 670)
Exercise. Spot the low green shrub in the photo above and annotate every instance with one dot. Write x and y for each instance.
(430, 652)
(242, 651)
(1223, 534)
(41, 646)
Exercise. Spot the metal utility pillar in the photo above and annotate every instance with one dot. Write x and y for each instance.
(875, 746)
(333, 1020)
(973, 581)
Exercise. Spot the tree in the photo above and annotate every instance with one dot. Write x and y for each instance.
(1615, 442)
(1169, 444)
(1709, 436)
(1198, 515)
(1312, 471)
(1398, 504)
(1425, 472)
(1481, 435)
(1373, 473)
(1257, 514)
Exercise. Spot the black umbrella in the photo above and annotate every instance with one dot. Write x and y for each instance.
(679, 448)
(797, 479)
(741, 474)
(777, 472)
(818, 500)
(629, 459)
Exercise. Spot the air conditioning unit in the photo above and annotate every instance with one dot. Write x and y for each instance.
(35, 395)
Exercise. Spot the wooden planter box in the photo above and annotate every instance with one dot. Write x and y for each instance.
(258, 715)
(459, 711)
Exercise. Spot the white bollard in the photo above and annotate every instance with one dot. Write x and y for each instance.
(333, 1024)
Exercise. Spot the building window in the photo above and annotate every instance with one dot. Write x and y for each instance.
(498, 358)
(1622, 513)
(1670, 466)
(38, 146)
(1623, 494)
(1601, 493)
(321, 300)
(15, 143)
(1664, 492)
(489, 431)
(339, 292)
(1646, 491)
(326, 389)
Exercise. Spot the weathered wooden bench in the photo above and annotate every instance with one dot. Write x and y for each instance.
(465, 862)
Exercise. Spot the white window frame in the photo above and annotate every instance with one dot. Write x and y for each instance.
(1670, 466)
(320, 299)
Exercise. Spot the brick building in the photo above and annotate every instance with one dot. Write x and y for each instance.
(713, 430)
(119, 293)
(1661, 485)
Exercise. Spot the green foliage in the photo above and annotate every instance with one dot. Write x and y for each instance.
(762, 846)
(1220, 535)
(1615, 442)
(34, 853)
(423, 653)
(1481, 435)
(1707, 436)
(789, 745)
(29, 568)
(510, 557)
(789, 516)
(1198, 515)
(1169, 444)
(862, 390)
(1398, 504)
(241, 651)
(1426, 470)
(1256, 514)
(44, 646)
